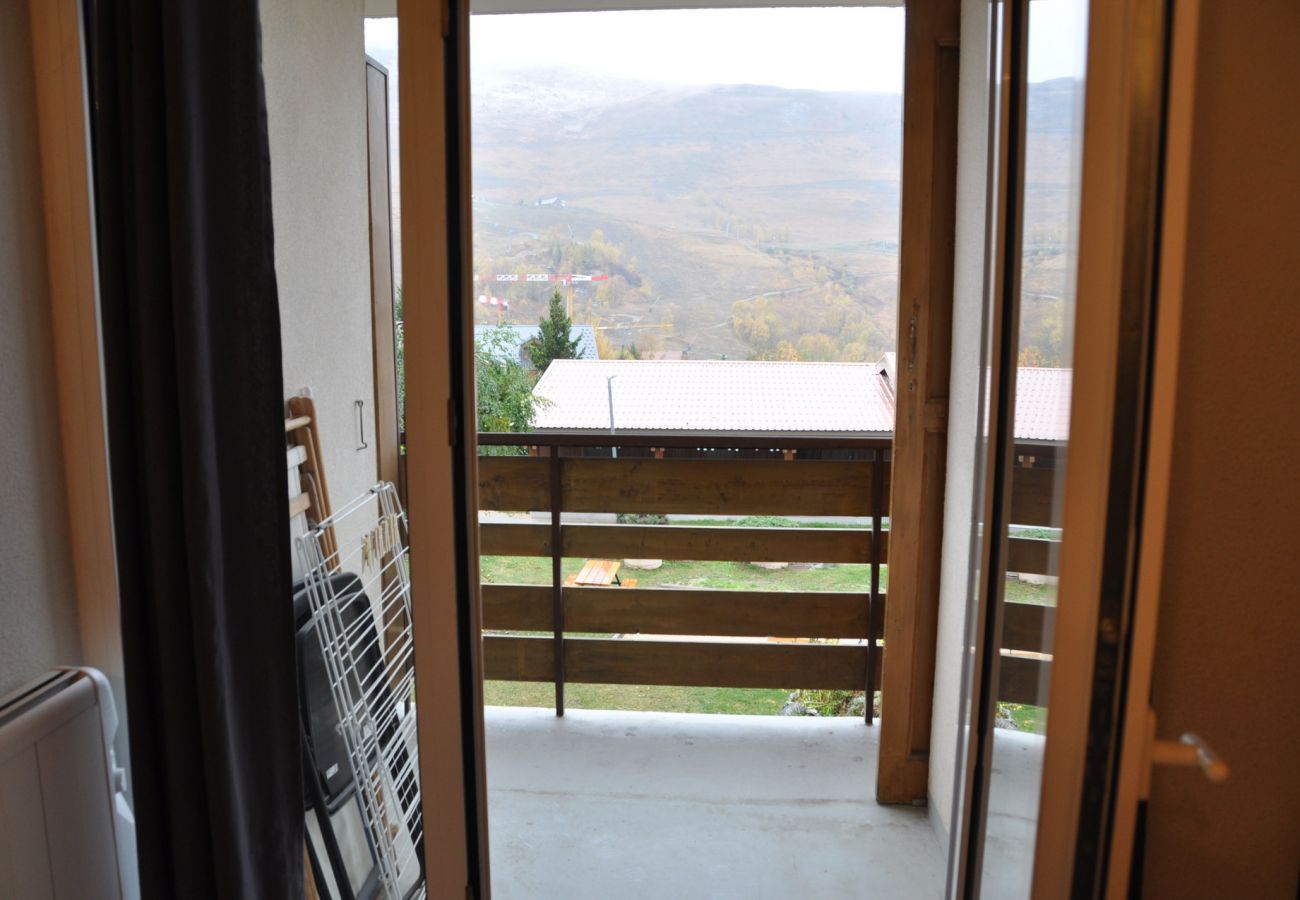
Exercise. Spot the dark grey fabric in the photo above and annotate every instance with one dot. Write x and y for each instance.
(195, 404)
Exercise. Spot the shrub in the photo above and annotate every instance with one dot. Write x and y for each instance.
(830, 703)
(641, 519)
(767, 522)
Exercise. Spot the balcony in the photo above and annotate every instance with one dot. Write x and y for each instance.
(684, 636)
(602, 804)
(599, 803)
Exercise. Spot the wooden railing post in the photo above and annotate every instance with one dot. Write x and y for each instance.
(877, 500)
(557, 577)
(925, 288)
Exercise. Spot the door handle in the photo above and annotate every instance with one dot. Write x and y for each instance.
(1189, 750)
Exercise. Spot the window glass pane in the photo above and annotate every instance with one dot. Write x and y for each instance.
(1047, 279)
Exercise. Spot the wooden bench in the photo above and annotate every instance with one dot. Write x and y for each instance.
(598, 572)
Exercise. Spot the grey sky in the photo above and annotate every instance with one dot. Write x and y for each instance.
(842, 49)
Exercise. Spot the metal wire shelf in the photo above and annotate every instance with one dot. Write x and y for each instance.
(369, 659)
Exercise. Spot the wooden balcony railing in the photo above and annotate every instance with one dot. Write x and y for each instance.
(710, 476)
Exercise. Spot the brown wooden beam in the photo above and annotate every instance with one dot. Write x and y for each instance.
(703, 664)
(702, 486)
(1021, 679)
(514, 483)
(921, 393)
(684, 663)
(727, 487)
(838, 545)
(807, 614)
(825, 545)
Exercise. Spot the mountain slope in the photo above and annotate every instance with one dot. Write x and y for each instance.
(701, 197)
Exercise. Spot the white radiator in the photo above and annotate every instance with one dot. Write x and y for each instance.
(66, 829)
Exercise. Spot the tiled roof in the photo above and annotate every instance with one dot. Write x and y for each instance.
(715, 395)
(730, 396)
(584, 334)
(1043, 404)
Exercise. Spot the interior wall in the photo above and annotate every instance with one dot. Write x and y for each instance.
(313, 57)
(963, 399)
(1229, 625)
(37, 593)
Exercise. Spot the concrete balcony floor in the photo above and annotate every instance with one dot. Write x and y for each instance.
(629, 805)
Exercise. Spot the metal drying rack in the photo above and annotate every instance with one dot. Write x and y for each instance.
(372, 679)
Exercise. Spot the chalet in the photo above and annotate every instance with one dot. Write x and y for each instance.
(734, 397)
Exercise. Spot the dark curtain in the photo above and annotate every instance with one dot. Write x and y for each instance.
(191, 334)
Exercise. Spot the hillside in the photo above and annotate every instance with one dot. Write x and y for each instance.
(741, 218)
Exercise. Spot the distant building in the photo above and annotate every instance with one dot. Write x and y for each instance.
(773, 398)
(550, 201)
(522, 334)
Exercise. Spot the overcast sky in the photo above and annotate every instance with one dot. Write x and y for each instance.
(835, 49)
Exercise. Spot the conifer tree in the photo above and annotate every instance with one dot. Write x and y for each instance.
(555, 341)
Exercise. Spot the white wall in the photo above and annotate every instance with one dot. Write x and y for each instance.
(968, 299)
(37, 595)
(313, 56)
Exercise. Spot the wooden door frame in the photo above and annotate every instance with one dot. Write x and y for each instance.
(60, 77)
(445, 471)
(927, 230)
(1103, 622)
(441, 463)
(450, 741)
(919, 467)
(383, 333)
(1135, 749)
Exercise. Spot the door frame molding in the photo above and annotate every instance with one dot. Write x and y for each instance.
(1134, 750)
(382, 332)
(441, 464)
(61, 82)
(441, 467)
(1104, 517)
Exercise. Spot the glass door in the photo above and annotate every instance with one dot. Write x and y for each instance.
(1050, 594)
(1032, 303)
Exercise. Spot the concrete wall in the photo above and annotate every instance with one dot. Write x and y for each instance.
(313, 54)
(37, 594)
(968, 300)
(1229, 612)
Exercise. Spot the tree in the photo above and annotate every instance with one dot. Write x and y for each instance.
(1030, 358)
(506, 401)
(554, 342)
(815, 347)
(785, 352)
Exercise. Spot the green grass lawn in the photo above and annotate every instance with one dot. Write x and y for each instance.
(1028, 718)
(738, 576)
(1037, 594)
(645, 698)
(717, 575)
(791, 523)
